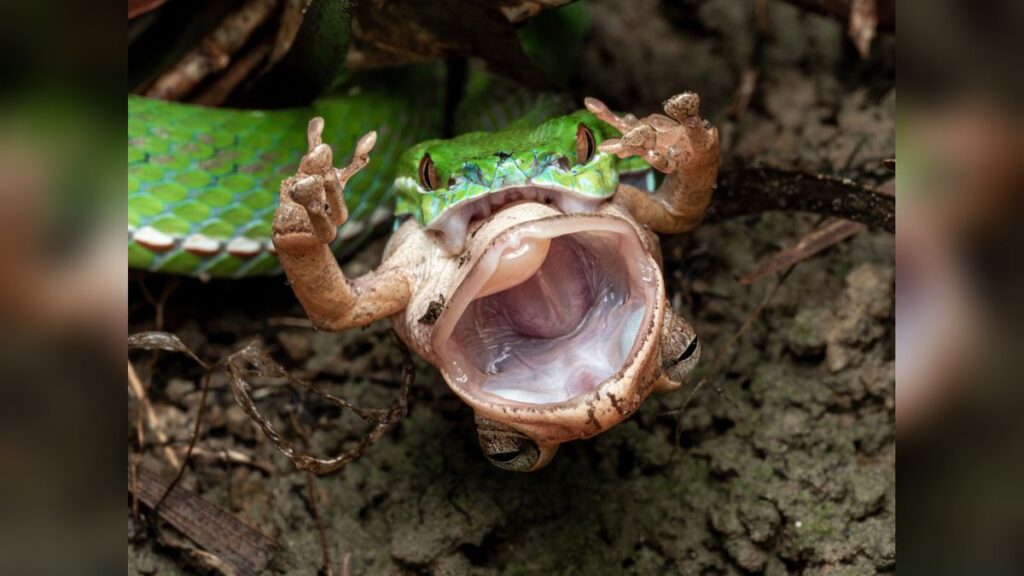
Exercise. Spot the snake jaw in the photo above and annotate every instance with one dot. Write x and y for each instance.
(453, 226)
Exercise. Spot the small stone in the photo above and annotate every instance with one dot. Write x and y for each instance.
(725, 521)
(760, 518)
(239, 424)
(746, 554)
(142, 561)
(296, 345)
(867, 299)
(178, 388)
(880, 381)
(452, 565)
(806, 336)
(868, 487)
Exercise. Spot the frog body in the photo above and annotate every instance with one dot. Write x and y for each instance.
(526, 267)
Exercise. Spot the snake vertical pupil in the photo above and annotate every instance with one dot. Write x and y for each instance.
(585, 144)
(428, 174)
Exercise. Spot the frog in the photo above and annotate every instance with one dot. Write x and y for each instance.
(525, 265)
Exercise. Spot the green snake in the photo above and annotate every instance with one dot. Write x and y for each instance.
(202, 182)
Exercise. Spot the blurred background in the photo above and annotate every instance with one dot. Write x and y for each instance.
(959, 305)
(959, 302)
(63, 288)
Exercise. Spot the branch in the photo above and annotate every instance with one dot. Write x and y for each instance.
(243, 548)
(752, 190)
(831, 232)
(214, 52)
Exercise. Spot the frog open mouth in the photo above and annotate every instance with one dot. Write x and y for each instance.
(552, 308)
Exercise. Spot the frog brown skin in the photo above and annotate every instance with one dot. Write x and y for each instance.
(420, 286)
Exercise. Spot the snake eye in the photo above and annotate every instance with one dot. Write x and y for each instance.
(428, 174)
(585, 144)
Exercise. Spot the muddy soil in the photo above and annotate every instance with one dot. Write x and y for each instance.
(783, 461)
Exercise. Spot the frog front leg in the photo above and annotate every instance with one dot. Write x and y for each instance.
(682, 146)
(306, 222)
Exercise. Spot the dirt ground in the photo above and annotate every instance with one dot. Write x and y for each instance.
(785, 459)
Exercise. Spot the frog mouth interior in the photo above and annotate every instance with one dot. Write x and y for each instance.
(551, 310)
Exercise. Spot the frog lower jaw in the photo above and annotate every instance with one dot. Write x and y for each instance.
(552, 310)
(452, 226)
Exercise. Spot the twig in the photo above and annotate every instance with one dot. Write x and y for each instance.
(863, 24)
(842, 10)
(828, 233)
(171, 343)
(832, 231)
(326, 555)
(753, 190)
(159, 304)
(345, 564)
(233, 457)
(135, 388)
(750, 75)
(137, 8)
(757, 310)
(218, 91)
(242, 548)
(292, 15)
(192, 441)
(311, 494)
(762, 16)
(253, 362)
(748, 83)
(133, 483)
(139, 391)
(214, 51)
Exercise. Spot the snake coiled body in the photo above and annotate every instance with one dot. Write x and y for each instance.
(203, 182)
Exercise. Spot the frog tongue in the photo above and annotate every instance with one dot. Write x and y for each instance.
(516, 265)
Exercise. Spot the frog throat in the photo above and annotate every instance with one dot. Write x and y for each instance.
(539, 163)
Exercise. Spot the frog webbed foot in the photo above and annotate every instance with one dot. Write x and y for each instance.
(312, 207)
(312, 201)
(665, 142)
(678, 143)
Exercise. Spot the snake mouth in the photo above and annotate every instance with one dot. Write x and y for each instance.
(452, 226)
(551, 310)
